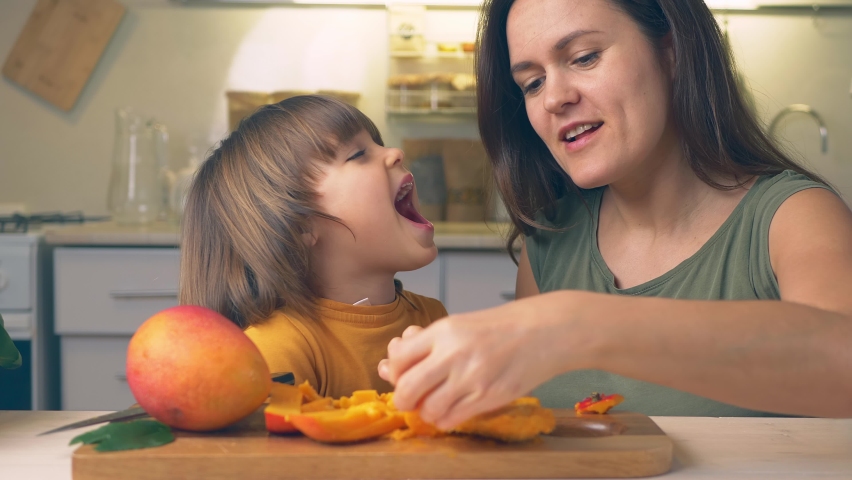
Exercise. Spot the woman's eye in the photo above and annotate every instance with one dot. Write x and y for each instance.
(532, 86)
(358, 154)
(587, 60)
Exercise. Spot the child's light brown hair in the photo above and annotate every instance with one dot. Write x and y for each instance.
(242, 248)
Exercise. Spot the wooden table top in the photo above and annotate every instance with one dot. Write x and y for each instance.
(705, 448)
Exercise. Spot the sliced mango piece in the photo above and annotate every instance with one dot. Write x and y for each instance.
(308, 391)
(359, 422)
(285, 400)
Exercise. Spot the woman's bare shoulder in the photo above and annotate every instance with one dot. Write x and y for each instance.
(810, 247)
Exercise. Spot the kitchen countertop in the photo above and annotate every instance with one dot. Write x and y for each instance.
(448, 235)
(704, 448)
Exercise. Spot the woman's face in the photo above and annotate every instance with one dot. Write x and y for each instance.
(594, 87)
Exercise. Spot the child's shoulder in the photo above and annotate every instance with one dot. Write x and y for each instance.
(433, 308)
(278, 325)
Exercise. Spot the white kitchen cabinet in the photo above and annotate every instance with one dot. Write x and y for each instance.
(475, 280)
(111, 291)
(425, 281)
(102, 295)
(93, 373)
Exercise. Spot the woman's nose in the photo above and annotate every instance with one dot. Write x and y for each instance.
(558, 93)
(394, 157)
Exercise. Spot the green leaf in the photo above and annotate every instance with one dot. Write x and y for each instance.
(127, 436)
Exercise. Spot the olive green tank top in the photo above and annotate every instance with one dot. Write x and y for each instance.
(733, 265)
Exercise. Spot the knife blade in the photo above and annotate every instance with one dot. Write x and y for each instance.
(122, 415)
(136, 411)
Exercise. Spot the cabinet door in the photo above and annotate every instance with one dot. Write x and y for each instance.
(425, 281)
(93, 373)
(477, 280)
(111, 291)
(16, 282)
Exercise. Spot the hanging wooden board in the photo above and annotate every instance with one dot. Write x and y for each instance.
(615, 445)
(59, 47)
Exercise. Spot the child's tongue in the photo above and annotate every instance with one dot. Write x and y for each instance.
(405, 207)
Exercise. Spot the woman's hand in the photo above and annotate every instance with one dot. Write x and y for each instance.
(471, 363)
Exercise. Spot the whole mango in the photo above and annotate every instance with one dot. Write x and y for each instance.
(191, 368)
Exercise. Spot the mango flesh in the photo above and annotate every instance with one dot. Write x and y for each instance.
(191, 368)
(368, 415)
(284, 400)
(360, 422)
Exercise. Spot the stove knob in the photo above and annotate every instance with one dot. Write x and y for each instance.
(4, 280)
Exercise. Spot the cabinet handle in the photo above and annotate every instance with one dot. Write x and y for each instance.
(131, 294)
(508, 296)
(121, 377)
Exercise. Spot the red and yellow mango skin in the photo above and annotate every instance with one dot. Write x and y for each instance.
(598, 403)
(191, 368)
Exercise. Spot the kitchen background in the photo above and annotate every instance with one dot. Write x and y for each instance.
(176, 62)
(92, 287)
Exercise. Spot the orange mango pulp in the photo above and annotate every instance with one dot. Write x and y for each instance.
(360, 422)
(285, 400)
(366, 414)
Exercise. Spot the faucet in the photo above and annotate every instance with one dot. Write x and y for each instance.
(801, 108)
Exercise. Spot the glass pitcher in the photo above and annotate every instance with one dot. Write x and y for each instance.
(135, 190)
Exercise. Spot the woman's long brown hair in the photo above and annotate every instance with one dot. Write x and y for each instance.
(720, 136)
(242, 248)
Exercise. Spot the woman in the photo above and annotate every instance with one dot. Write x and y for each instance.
(646, 193)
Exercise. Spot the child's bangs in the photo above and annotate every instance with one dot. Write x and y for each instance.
(328, 123)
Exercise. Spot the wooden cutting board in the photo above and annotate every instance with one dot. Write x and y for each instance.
(59, 47)
(615, 445)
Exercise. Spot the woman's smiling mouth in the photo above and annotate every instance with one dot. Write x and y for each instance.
(577, 135)
(576, 132)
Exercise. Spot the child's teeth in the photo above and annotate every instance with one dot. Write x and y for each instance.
(403, 191)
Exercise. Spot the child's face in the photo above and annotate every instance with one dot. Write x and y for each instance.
(369, 190)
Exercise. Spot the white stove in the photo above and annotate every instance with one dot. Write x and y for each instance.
(26, 301)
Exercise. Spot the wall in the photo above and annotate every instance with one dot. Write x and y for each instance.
(176, 62)
(799, 57)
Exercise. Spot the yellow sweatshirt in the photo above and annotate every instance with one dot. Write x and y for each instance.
(340, 351)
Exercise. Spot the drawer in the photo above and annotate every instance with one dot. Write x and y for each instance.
(477, 280)
(16, 280)
(111, 291)
(93, 373)
(425, 281)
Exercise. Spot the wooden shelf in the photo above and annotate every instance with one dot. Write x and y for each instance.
(428, 55)
(431, 111)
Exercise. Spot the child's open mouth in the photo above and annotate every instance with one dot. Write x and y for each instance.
(404, 202)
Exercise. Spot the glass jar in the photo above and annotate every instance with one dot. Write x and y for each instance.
(135, 193)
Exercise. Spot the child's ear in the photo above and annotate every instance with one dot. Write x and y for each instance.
(309, 238)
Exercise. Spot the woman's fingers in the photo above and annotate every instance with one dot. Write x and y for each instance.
(411, 331)
(468, 406)
(403, 353)
(384, 371)
(418, 381)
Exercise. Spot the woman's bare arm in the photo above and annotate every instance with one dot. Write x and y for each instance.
(792, 356)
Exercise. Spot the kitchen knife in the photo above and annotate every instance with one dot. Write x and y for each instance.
(136, 411)
(131, 413)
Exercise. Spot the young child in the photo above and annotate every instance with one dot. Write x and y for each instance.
(298, 215)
